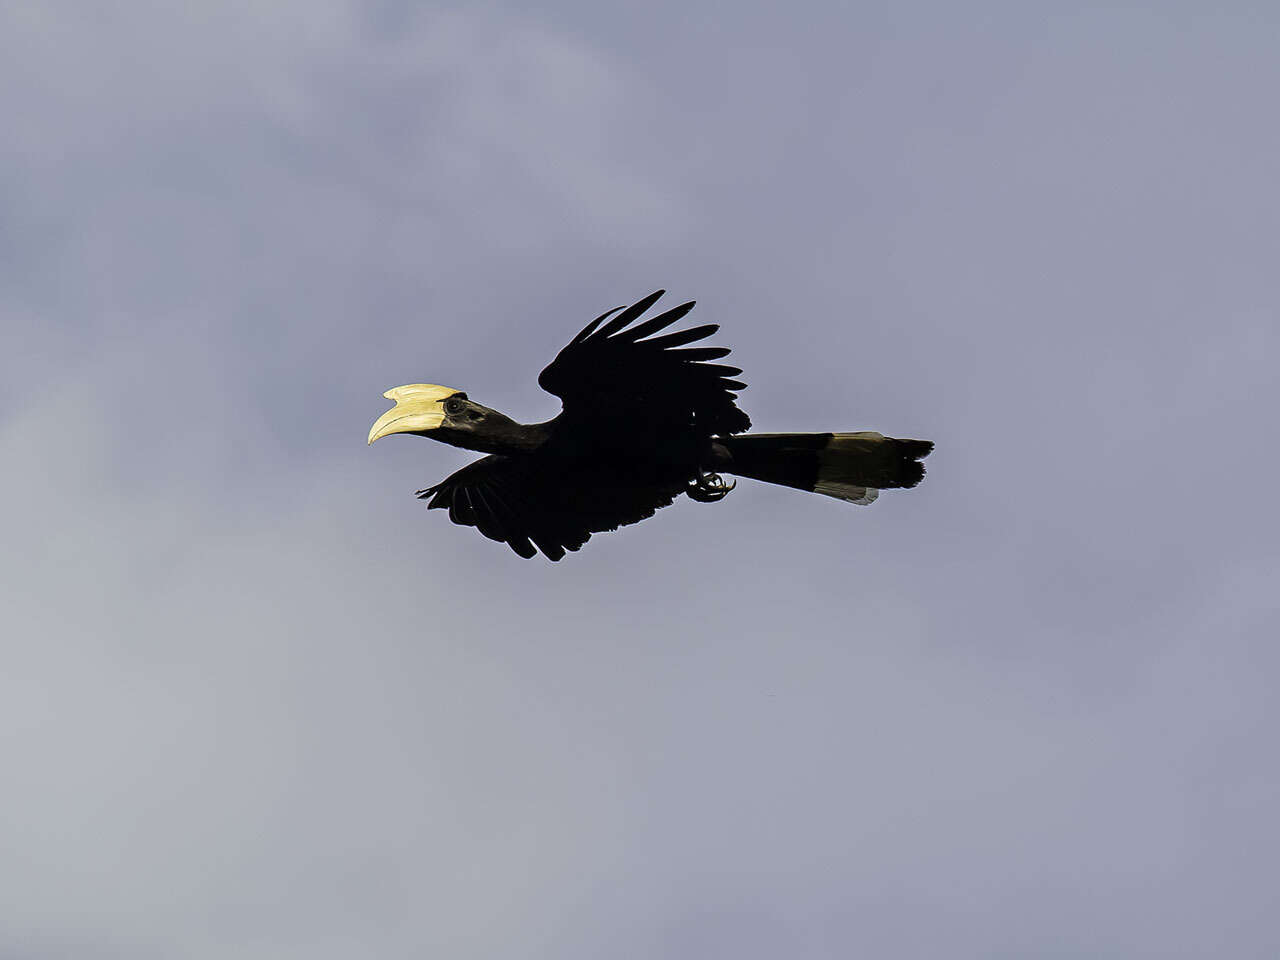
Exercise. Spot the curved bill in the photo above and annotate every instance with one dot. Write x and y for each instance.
(419, 407)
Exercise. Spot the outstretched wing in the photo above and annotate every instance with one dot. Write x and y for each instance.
(623, 374)
(517, 501)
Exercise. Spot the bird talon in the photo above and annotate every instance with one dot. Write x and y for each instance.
(709, 488)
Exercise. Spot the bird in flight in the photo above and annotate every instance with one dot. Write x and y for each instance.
(645, 418)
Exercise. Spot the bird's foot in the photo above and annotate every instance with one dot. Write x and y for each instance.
(709, 487)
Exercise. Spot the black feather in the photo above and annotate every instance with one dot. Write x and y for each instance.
(586, 331)
(694, 354)
(681, 337)
(655, 324)
(631, 313)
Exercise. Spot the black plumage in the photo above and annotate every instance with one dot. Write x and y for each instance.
(645, 417)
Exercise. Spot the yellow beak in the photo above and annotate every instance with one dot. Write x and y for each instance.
(419, 407)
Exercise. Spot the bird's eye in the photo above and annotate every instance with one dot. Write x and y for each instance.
(453, 406)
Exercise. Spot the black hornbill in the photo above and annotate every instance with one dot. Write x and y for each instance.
(643, 421)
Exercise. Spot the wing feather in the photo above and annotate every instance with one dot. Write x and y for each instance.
(616, 376)
(587, 330)
(681, 337)
(632, 312)
(697, 354)
(653, 325)
(513, 499)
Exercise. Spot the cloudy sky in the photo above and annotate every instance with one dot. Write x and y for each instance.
(257, 703)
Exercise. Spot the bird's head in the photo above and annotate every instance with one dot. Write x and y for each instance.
(441, 413)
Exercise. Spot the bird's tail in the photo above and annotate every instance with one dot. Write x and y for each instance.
(848, 466)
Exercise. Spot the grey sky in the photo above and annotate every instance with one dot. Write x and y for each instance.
(257, 703)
